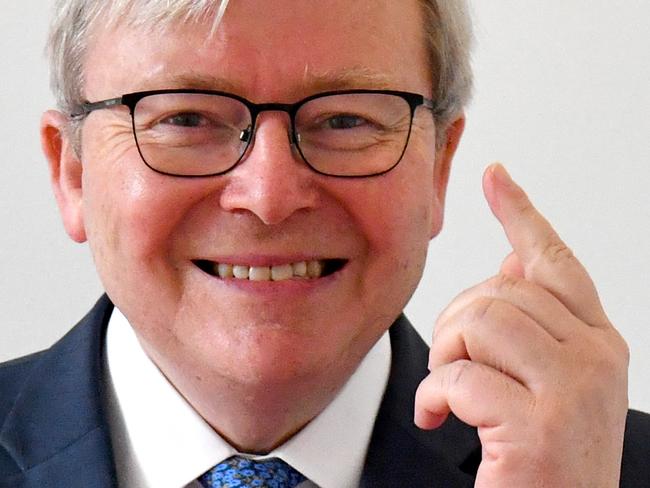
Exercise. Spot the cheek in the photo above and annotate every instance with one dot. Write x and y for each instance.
(131, 214)
(406, 238)
(396, 219)
(404, 212)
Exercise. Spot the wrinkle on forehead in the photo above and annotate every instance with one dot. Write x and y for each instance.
(256, 62)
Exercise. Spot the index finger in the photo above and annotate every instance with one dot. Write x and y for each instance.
(546, 259)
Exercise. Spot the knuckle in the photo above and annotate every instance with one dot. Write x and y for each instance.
(484, 308)
(438, 326)
(524, 207)
(610, 357)
(504, 284)
(557, 253)
(621, 349)
(442, 319)
(617, 353)
(457, 373)
(440, 332)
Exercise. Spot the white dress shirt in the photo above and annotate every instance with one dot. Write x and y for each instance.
(160, 441)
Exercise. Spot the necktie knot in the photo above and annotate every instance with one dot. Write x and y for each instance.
(242, 473)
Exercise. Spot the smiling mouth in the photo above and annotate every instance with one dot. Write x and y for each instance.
(305, 270)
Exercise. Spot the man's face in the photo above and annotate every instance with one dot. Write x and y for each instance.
(147, 231)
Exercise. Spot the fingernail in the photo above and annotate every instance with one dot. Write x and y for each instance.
(427, 420)
(501, 175)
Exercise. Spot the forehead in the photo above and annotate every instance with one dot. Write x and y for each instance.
(268, 49)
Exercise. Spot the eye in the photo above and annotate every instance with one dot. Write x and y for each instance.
(185, 119)
(345, 121)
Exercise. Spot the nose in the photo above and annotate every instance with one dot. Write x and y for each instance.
(272, 182)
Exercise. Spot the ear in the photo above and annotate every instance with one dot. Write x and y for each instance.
(442, 169)
(65, 171)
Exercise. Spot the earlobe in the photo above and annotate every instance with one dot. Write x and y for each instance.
(442, 170)
(65, 172)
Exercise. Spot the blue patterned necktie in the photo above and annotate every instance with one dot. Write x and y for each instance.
(243, 473)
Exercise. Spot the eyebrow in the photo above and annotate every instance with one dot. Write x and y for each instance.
(200, 82)
(312, 82)
(355, 77)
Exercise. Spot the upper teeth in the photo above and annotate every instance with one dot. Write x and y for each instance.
(302, 269)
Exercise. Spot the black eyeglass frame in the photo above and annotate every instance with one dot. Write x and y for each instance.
(130, 100)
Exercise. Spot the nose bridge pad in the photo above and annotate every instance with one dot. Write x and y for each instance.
(292, 139)
(246, 134)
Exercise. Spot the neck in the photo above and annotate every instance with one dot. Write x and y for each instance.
(257, 423)
(258, 417)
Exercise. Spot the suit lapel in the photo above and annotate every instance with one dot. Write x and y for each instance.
(57, 432)
(400, 454)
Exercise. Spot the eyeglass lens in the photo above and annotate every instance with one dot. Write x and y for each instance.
(201, 134)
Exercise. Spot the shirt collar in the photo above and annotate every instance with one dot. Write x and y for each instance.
(161, 441)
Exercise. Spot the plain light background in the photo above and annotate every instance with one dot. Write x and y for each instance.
(562, 98)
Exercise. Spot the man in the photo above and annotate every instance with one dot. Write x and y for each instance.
(258, 185)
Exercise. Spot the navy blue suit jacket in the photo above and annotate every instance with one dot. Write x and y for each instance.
(54, 432)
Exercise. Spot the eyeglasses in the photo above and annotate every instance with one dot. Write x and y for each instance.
(193, 133)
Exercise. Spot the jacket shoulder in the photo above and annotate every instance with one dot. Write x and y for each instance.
(50, 404)
(77, 345)
(13, 376)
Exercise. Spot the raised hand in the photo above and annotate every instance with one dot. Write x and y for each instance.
(530, 358)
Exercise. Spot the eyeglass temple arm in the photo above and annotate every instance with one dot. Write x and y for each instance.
(87, 107)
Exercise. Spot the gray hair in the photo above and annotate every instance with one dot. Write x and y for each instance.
(447, 28)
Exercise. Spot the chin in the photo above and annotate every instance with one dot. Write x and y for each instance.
(271, 351)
